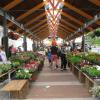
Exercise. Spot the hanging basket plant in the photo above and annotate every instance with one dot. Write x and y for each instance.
(13, 36)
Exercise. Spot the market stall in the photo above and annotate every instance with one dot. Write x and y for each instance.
(40, 19)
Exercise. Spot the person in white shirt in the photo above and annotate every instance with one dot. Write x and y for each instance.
(3, 57)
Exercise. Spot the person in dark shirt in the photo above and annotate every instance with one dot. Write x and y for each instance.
(63, 58)
(54, 50)
(49, 56)
(54, 53)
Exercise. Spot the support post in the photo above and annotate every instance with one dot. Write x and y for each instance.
(83, 43)
(5, 35)
(33, 46)
(42, 45)
(74, 46)
(25, 43)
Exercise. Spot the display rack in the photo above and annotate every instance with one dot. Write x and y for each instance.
(83, 78)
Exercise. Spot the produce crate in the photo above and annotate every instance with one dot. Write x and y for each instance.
(89, 82)
(40, 66)
(81, 77)
(18, 89)
(76, 71)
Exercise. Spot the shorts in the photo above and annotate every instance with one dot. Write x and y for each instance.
(54, 58)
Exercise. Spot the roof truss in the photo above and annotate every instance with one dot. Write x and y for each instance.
(12, 4)
(96, 2)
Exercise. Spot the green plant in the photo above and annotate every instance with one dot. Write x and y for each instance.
(91, 71)
(23, 74)
(92, 57)
(15, 63)
(4, 68)
(75, 59)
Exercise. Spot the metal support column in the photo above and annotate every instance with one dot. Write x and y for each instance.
(74, 45)
(33, 46)
(5, 35)
(42, 46)
(83, 43)
(24, 43)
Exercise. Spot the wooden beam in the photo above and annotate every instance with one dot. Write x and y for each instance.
(44, 29)
(82, 13)
(43, 35)
(78, 11)
(63, 29)
(69, 24)
(39, 30)
(61, 32)
(35, 19)
(69, 29)
(32, 21)
(12, 4)
(42, 32)
(72, 18)
(28, 13)
(96, 2)
(45, 25)
(38, 24)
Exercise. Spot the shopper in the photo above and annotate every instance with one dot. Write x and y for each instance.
(9, 51)
(49, 56)
(59, 53)
(19, 49)
(54, 55)
(13, 50)
(63, 58)
(3, 57)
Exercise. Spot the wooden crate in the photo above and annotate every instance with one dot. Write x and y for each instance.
(76, 71)
(89, 82)
(18, 89)
(70, 66)
(81, 77)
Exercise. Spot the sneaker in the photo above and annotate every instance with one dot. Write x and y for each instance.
(56, 66)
